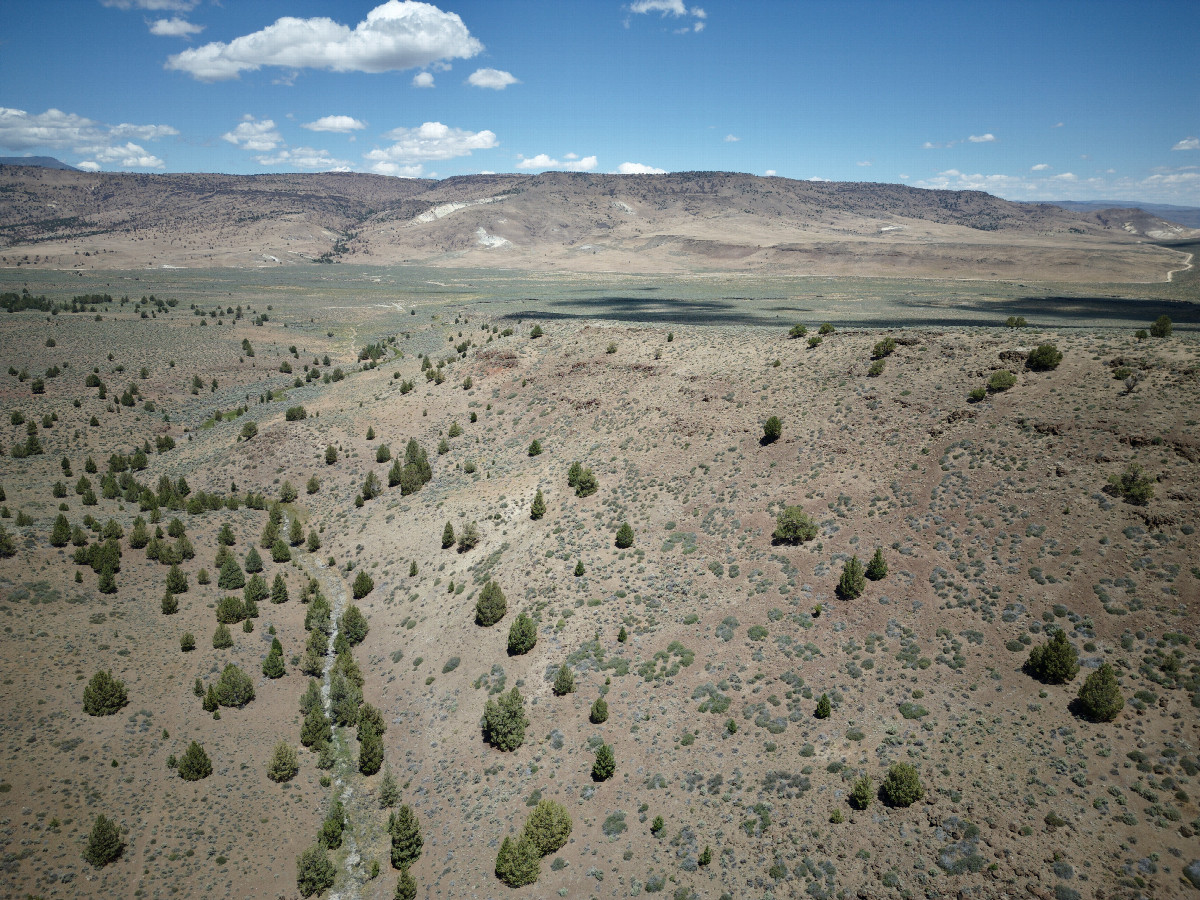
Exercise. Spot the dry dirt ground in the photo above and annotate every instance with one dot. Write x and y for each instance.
(993, 518)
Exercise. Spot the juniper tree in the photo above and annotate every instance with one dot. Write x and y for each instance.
(210, 704)
(448, 536)
(624, 536)
(538, 508)
(273, 665)
(1100, 696)
(176, 580)
(547, 827)
(104, 843)
(491, 605)
(504, 721)
(772, 429)
(605, 764)
(517, 863)
(60, 534)
(405, 831)
(522, 635)
(1054, 662)
(599, 712)
(389, 791)
(104, 695)
(853, 581)
(314, 542)
(793, 526)
(824, 708)
(370, 752)
(279, 591)
(564, 681)
(353, 624)
(314, 872)
(363, 584)
(861, 793)
(468, 538)
(254, 561)
(231, 577)
(877, 568)
(330, 835)
(234, 688)
(169, 604)
(902, 786)
(284, 763)
(195, 764)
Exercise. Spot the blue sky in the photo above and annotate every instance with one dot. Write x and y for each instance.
(1029, 101)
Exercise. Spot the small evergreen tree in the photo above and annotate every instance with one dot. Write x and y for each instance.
(448, 536)
(405, 830)
(210, 703)
(877, 568)
(824, 707)
(331, 455)
(254, 561)
(1162, 327)
(547, 827)
(599, 712)
(853, 581)
(279, 591)
(491, 605)
(587, 484)
(468, 538)
(316, 731)
(902, 787)
(231, 577)
(1054, 662)
(230, 610)
(332, 829)
(1044, 358)
(522, 635)
(353, 624)
(169, 604)
(624, 536)
(861, 793)
(772, 429)
(234, 688)
(363, 584)
(573, 473)
(104, 695)
(389, 791)
(564, 681)
(284, 763)
(793, 526)
(370, 751)
(60, 534)
(187, 642)
(605, 764)
(195, 763)
(314, 543)
(517, 863)
(504, 721)
(538, 508)
(104, 843)
(296, 531)
(1100, 696)
(535, 448)
(280, 552)
(579, 570)
(314, 872)
(406, 887)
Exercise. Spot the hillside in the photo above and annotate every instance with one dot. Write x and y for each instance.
(682, 222)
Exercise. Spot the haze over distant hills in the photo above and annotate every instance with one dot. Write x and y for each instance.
(685, 222)
(1183, 215)
(38, 162)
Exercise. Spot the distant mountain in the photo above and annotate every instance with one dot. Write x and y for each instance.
(682, 223)
(41, 162)
(1183, 215)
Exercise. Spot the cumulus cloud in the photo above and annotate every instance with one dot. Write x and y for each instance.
(423, 80)
(1040, 167)
(770, 173)
(58, 130)
(987, 138)
(88, 165)
(174, 27)
(432, 140)
(494, 79)
(1163, 187)
(632, 168)
(304, 158)
(732, 138)
(982, 138)
(675, 8)
(399, 34)
(571, 163)
(863, 162)
(254, 134)
(336, 124)
(129, 156)
(153, 5)
(1190, 143)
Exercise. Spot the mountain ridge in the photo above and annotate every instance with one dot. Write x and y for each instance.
(554, 221)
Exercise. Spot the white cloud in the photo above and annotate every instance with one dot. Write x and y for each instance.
(1190, 143)
(423, 80)
(632, 168)
(494, 79)
(573, 163)
(676, 8)
(432, 140)
(253, 134)
(863, 162)
(153, 5)
(770, 173)
(383, 167)
(1181, 187)
(304, 158)
(398, 34)
(732, 138)
(88, 165)
(982, 138)
(1065, 176)
(57, 130)
(1040, 167)
(336, 124)
(174, 27)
